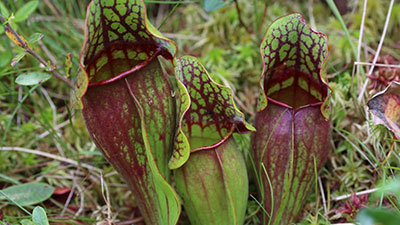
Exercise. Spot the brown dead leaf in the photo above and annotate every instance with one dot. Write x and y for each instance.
(385, 108)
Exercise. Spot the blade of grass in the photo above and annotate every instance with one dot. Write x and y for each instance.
(8, 179)
(336, 12)
(16, 203)
(169, 14)
(51, 156)
(272, 193)
(15, 112)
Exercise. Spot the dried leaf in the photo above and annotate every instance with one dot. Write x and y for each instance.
(385, 108)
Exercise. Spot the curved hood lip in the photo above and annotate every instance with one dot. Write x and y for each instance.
(168, 53)
(263, 96)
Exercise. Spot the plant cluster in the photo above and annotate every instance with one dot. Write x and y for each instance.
(170, 130)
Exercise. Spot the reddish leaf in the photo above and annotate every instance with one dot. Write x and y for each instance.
(209, 115)
(127, 102)
(61, 191)
(293, 133)
(385, 108)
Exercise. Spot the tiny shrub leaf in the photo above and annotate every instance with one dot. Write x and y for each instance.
(28, 194)
(32, 78)
(35, 38)
(17, 58)
(25, 11)
(212, 5)
(3, 10)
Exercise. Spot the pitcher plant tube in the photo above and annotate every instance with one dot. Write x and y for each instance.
(213, 183)
(127, 103)
(293, 129)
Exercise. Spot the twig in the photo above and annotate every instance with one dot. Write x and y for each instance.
(51, 156)
(357, 193)
(81, 202)
(71, 193)
(321, 188)
(377, 64)
(24, 45)
(261, 24)
(377, 51)
(249, 30)
(361, 34)
(311, 14)
(360, 38)
(106, 195)
(55, 127)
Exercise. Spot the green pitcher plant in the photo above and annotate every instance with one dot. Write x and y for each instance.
(213, 183)
(292, 140)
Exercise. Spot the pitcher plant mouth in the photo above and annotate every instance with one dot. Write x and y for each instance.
(293, 57)
(126, 65)
(293, 89)
(122, 36)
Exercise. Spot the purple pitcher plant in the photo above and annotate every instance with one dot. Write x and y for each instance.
(293, 130)
(148, 123)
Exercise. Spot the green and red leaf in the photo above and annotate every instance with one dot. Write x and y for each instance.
(213, 182)
(208, 112)
(127, 102)
(293, 56)
(119, 40)
(213, 185)
(293, 130)
(385, 108)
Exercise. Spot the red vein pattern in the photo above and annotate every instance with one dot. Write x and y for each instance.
(293, 133)
(212, 115)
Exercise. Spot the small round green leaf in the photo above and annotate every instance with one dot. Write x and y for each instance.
(32, 78)
(28, 194)
(35, 38)
(39, 216)
(17, 58)
(25, 11)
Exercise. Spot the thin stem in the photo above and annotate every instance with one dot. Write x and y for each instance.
(25, 46)
(50, 156)
(170, 13)
(371, 69)
(248, 29)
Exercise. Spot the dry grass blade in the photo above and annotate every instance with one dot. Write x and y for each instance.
(51, 156)
(360, 97)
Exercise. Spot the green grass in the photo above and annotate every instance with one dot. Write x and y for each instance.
(41, 118)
